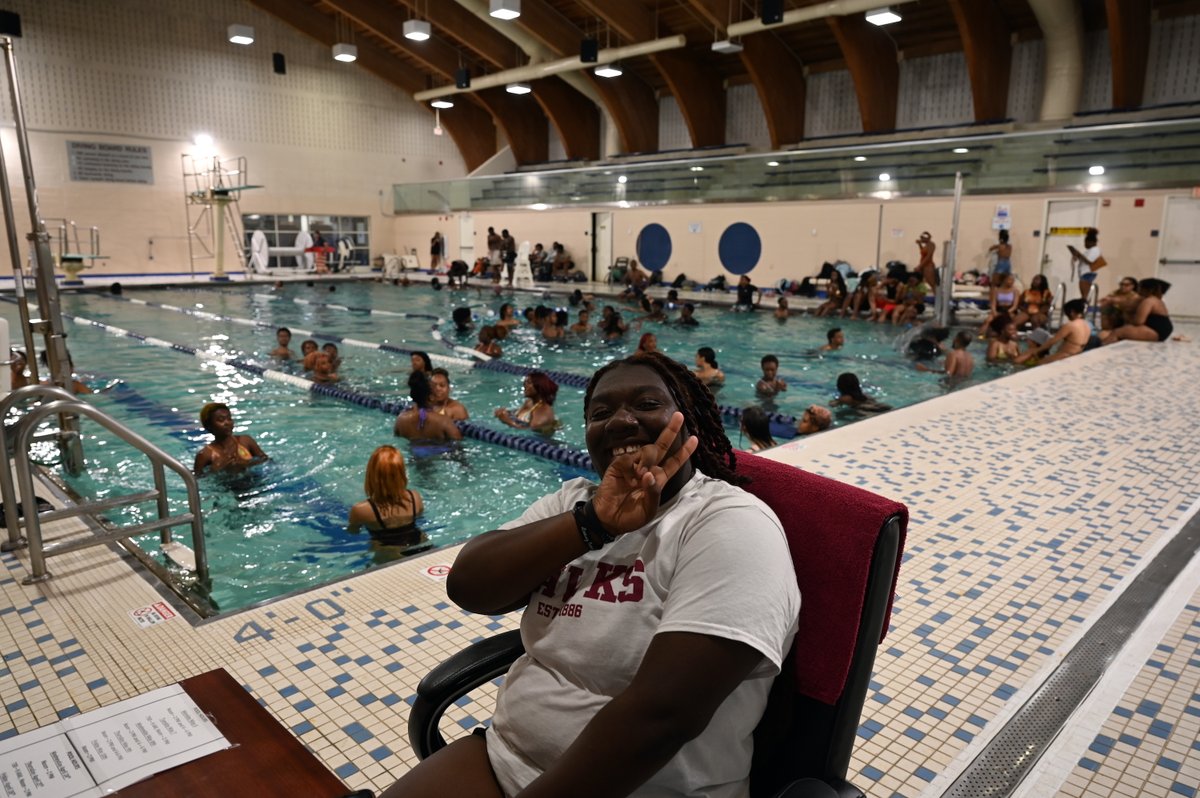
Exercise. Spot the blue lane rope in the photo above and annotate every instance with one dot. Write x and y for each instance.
(542, 448)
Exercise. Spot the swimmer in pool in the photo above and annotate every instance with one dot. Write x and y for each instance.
(537, 411)
(283, 337)
(421, 423)
(439, 397)
(391, 508)
(227, 452)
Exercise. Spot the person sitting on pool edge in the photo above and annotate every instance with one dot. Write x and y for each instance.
(814, 419)
(391, 508)
(537, 411)
(421, 423)
(227, 452)
(1150, 320)
(283, 337)
(1074, 335)
(439, 397)
(667, 685)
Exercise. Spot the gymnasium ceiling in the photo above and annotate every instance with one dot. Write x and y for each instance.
(774, 61)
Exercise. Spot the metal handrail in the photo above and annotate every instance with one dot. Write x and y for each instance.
(1061, 289)
(160, 461)
(7, 492)
(1092, 302)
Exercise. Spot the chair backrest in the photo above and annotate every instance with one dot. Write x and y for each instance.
(846, 545)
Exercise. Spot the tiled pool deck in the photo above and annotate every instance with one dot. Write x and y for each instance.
(1033, 499)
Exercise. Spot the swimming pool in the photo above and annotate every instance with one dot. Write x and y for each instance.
(283, 527)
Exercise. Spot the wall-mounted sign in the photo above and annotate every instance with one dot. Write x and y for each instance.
(98, 162)
(1003, 218)
(694, 227)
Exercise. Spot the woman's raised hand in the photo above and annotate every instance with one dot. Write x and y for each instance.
(632, 486)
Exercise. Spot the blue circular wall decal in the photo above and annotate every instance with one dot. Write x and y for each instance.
(740, 248)
(654, 247)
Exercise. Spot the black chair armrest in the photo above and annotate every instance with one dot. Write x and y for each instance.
(815, 788)
(479, 662)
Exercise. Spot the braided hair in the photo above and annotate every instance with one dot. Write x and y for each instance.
(714, 455)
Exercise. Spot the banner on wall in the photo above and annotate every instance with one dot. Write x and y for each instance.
(1003, 218)
(98, 162)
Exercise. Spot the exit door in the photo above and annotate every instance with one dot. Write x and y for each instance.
(1065, 222)
(601, 244)
(1179, 255)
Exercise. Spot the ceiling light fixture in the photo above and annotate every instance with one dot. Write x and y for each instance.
(345, 53)
(518, 88)
(772, 163)
(697, 168)
(1096, 171)
(622, 179)
(505, 9)
(885, 178)
(727, 47)
(417, 29)
(241, 34)
(608, 71)
(882, 16)
(961, 150)
(443, 104)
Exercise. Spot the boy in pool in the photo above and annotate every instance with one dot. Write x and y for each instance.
(959, 363)
(687, 315)
(770, 384)
(335, 360)
(283, 337)
(836, 340)
(322, 370)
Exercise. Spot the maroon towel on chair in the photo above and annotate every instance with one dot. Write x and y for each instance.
(842, 520)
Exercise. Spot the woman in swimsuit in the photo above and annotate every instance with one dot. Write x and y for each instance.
(1004, 300)
(391, 509)
(1003, 347)
(646, 344)
(1035, 303)
(227, 452)
(850, 394)
(706, 368)
(836, 296)
(1074, 335)
(421, 362)
(756, 426)
(421, 423)
(1120, 304)
(537, 412)
(1151, 321)
(1003, 251)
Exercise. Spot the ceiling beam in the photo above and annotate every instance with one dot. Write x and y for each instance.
(452, 20)
(782, 90)
(575, 117)
(630, 103)
(871, 57)
(441, 58)
(526, 130)
(1129, 43)
(472, 129)
(697, 88)
(986, 44)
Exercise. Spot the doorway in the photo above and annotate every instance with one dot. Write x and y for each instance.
(466, 238)
(1179, 255)
(601, 244)
(1066, 221)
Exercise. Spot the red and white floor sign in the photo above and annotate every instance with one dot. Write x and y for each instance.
(152, 615)
(437, 573)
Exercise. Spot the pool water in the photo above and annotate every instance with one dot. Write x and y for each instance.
(282, 527)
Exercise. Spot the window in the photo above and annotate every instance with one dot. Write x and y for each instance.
(282, 229)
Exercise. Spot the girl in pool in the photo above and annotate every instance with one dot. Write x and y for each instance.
(537, 412)
(706, 368)
(652, 671)
(421, 423)
(391, 509)
(646, 344)
(227, 452)
(850, 394)
(421, 362)
(1003, 348)
(756, 426)
(507, 318)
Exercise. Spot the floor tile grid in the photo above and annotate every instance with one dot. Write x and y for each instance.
(1150, 743)
(1002, 567)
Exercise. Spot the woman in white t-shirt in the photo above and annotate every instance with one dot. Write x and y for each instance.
(659, 605)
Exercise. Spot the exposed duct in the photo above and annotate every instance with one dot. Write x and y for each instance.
(548, 68)
(836, 8)
(1062, 33)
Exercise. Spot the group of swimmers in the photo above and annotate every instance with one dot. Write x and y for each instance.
(320, 362)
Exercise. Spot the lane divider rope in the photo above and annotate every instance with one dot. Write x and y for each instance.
(541, 448)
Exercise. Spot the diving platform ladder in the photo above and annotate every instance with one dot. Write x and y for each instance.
(212, 188)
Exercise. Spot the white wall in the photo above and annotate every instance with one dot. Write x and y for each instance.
(325, 138)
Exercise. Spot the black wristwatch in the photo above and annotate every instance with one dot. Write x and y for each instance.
(594, 535)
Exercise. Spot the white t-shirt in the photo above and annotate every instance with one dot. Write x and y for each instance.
(1093, 255)
(713, 561)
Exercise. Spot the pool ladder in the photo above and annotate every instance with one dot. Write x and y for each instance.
(56, 401)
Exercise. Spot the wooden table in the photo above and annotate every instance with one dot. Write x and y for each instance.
(266, 760)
